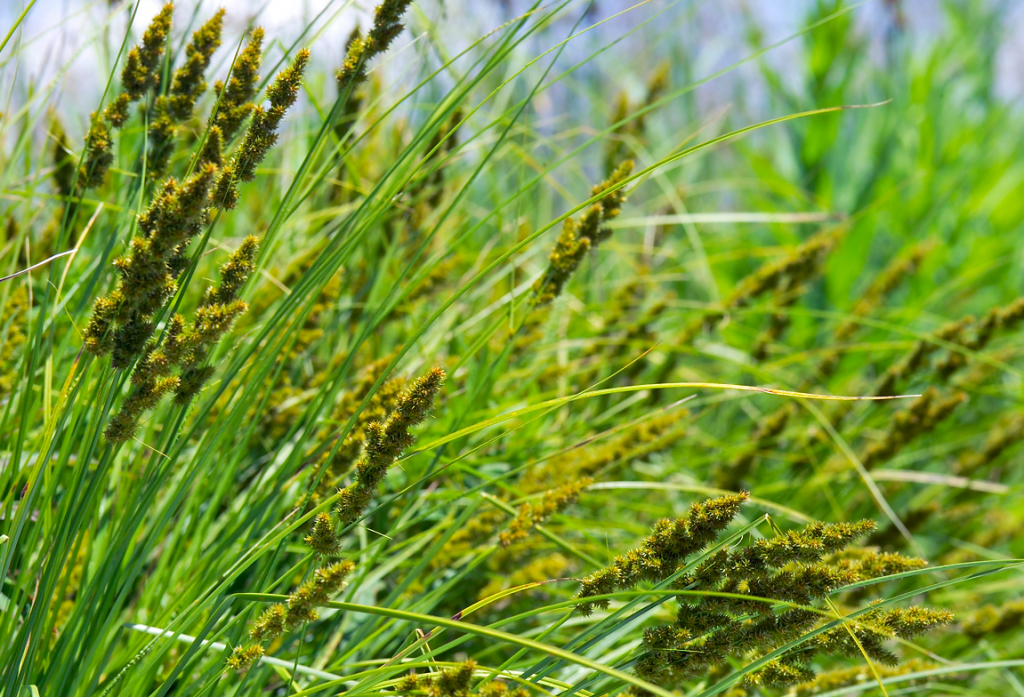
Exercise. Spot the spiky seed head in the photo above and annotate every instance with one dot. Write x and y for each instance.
(243, 657)
(270, 624)
(213, 148)
(188, 83)
(141, 71)
(323, 539)
(236, 97)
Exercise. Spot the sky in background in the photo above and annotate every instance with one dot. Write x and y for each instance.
(57, 41)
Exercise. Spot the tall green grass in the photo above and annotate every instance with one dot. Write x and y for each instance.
(700, 331)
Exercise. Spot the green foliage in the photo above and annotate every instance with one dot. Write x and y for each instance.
(228, 464)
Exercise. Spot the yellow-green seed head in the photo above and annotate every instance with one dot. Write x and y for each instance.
(142, 70)
(236, 97)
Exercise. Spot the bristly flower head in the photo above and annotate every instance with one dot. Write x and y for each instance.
(142, 70)
(997, 318)
(262, 132)
(212, 151)
(1008, 432)
(187, 85)
(362, 49)
(236, 98)
(244, 656)
(234, 273)
(387, 23)
(803, 546)
(300, 608)
(991, 620)
(579, 238)
(124, 424)
(121, 322)
(381, 404)
(183, 346)
(302, 602)
(322, 539)
(832, 680)
(646, 437)
(735, 616)
(98, 154)
(791, 270)
(64, 163)
(455, 682)
(530, 515)
(385, 443)
(661, 553)
(214, 317)
(922, 416)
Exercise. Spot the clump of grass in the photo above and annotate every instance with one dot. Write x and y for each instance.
(224, 446)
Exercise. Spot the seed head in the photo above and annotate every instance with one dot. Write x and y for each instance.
(576, 239)
(243, 657)
(660, 554)
(98, 154)
(271, 624)
(262, 132)
(142, 70)
(188, 83)
(236, 97)
(212, 151)
(323, 539)
(385, 443)
(361, 50)
(531, 515)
